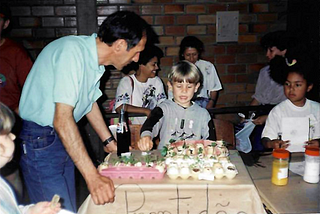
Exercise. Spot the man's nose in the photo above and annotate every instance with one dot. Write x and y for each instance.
(136, 57)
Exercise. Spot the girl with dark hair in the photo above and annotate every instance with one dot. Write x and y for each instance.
(298, 83)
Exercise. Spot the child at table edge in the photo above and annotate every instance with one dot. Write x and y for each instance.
(8, 203)
(179, 118)
(299, 82)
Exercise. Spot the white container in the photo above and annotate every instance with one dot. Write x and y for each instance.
(312, 165)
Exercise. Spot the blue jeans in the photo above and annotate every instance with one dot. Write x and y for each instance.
(46, 166)
(202, 101)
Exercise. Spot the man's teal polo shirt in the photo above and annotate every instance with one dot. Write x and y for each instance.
(66, 71)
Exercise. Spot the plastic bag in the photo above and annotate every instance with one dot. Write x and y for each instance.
(243, 142)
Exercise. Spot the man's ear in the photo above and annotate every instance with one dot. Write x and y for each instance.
(309, 87)
(119, 45)
(197, 86)
(169, 86)
(6, 24)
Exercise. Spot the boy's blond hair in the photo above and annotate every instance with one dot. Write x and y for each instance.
(7, 119)
(185, 71)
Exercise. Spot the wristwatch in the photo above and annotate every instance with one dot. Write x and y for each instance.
(107, 141)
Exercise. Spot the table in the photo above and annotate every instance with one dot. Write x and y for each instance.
(296, 197)
(167, 196)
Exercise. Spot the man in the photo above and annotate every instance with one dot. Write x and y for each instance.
(61, 88)
(15, 65)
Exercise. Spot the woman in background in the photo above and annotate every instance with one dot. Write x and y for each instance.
(191, 49)
(142, 91)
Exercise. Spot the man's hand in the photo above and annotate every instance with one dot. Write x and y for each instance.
(145, 143)
(101, 189)
(111, 147)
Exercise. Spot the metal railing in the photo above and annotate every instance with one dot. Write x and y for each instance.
(214, 111)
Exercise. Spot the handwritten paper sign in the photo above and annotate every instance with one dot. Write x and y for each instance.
(179, 199)
(295, 129)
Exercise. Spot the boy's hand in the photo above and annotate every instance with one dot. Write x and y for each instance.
(277, 144)
(145, 143)
(312, 143)
(44, 208)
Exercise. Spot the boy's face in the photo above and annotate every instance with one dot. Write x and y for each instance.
(183, 92)
(6, 148)
(273, 51)
(150, 69)
(191, 55)
(295, 89)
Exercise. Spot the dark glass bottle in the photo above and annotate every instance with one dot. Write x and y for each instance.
(123, 133)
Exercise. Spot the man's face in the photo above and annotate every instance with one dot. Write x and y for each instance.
(126, 57)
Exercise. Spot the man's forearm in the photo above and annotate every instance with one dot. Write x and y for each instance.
(96, 120)
(68, 132)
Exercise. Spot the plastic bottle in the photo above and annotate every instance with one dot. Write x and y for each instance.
(312, 165)
(280, 167)
(123, 134)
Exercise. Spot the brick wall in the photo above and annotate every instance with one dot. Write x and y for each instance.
(37, 22)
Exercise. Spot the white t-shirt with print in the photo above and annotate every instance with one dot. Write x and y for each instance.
(287, 109)
(211, 81)
(145, 94)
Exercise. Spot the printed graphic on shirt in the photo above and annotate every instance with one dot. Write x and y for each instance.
(123, 98)
(207, 69)
(149, 98)
(181, 130)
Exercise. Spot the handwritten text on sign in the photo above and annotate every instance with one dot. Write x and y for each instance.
(177, 199)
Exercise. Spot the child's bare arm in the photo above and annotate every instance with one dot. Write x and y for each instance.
(275, 144)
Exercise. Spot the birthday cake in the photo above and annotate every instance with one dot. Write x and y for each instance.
(198, 159)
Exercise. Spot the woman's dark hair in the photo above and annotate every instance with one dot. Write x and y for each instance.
(190, 42)
(280, 67)
(279, 39)
(148, 53)
(123, 25)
